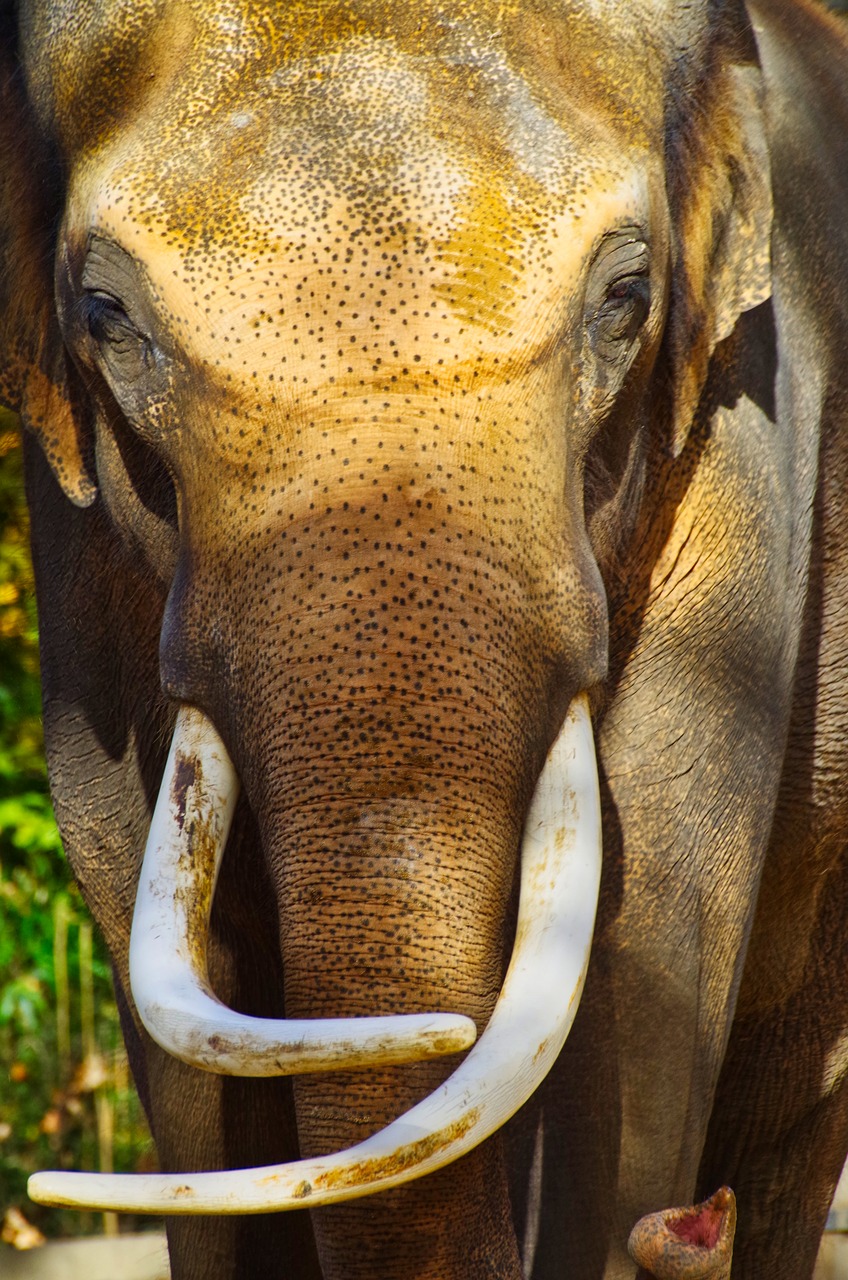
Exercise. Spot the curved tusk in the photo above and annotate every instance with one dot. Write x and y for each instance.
(560, 875)
(168, 973)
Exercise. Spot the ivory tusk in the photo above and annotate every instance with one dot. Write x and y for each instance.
(560, 876)
(168, 973)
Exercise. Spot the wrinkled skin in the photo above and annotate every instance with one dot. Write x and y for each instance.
(393, 374)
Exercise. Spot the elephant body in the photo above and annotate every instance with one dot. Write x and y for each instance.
(392, 375)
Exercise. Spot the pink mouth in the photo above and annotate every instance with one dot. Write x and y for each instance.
(687, 1244)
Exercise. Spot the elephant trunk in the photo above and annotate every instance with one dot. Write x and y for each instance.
(408, 865)
(695, 1243)
(397, 750)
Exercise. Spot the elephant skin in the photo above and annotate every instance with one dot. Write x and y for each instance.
(392, 375)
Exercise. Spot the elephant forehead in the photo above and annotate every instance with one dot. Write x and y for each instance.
(427, 240)
(343, 155)
(316, 276)
(359, 113)
(333, 204)
(97, 67)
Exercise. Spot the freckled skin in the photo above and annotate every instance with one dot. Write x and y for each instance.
(410, 370)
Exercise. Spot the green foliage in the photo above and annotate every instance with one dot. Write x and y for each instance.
(66, 1099)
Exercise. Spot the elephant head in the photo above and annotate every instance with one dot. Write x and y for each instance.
(371, 324)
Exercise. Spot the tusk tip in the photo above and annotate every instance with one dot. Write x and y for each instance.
(455, 1035)
(42, 1189)
(116, 1193)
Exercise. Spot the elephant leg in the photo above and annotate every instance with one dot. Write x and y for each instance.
(620, 1123)
(779, 1131)
(238, 1122)
(202, 1121)
(692, 745)
(562, 1149)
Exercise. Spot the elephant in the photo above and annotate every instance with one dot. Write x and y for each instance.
(413, 396)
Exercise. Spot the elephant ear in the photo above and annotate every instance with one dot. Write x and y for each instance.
(35, 375)
(722, 213)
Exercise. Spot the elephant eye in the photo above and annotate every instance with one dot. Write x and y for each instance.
(618, 293)
(124, 349)
(105, 318)
(620, 316)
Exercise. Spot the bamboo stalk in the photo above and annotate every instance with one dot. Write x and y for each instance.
(103, 1110)
(86, 977)
(60, 974)
(106, 1149)
(120, 1077)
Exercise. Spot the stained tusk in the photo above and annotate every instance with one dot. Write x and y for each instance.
(168, 973)
(560, 875)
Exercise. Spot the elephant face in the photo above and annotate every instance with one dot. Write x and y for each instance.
(373, 315)
(373, 348)
(349, 326)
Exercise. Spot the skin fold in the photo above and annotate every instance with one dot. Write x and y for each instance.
(391, 375)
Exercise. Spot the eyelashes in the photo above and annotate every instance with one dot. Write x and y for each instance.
(104, 318)
(619, 318)
(119, 347)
